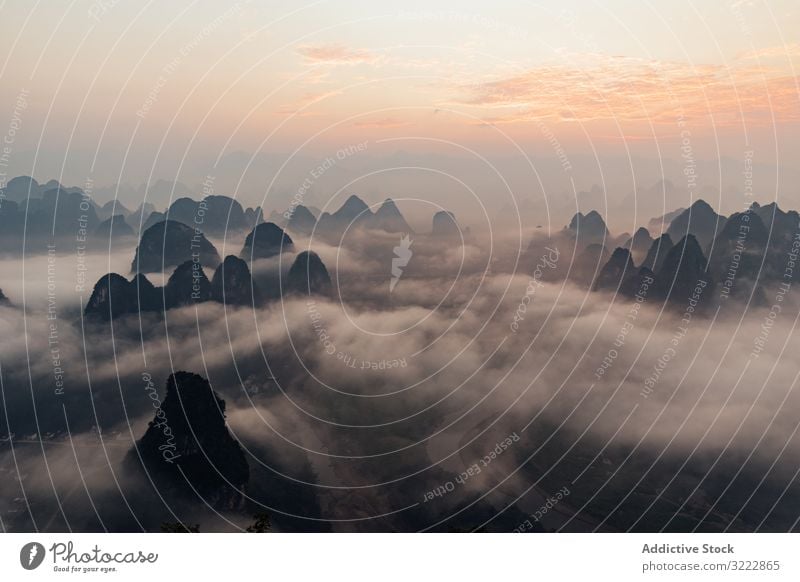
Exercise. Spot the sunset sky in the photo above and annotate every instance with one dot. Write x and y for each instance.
(143, 84)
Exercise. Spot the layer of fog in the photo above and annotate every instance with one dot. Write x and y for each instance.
(382, 396)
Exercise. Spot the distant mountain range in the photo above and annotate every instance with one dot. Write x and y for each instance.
(232, 284)
(737, 256)
(39, 214)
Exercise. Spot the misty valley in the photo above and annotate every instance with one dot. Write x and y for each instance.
(206, 366)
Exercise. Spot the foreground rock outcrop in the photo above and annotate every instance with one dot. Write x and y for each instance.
(187, 447)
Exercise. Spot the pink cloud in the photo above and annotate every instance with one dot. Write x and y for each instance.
(337, 54)
(382, 123)
(625, 89)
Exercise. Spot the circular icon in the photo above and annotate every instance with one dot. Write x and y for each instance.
(31, 555)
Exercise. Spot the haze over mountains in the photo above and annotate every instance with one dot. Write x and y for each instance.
(627, 190)
(628, 206)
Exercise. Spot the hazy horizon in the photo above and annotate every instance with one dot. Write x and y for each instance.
(445, 103)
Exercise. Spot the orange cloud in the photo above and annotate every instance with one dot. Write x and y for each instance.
(337, 54)
(308, 100)
(627, 89)
(382, 123)
(790, 51)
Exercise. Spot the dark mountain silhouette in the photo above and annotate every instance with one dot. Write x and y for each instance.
(353, 213)
(738, 253)
(639, 244)
(775, 219)
(657, 253)
(152, 219)
(684, 269)
(188, 284)
(146, 296)
(111, 208)
(170, 243)
(113, 228)
(621, 240)
(58, 213)
(744, 224)
(233, 284)
(215, 214)
(308, 275)
(661, 223)
(445, 225)
(19, 188)
(389, 219)
(783, 228)
(183, 210)
(224, 214)
(699, 220)
(143, 218)
(266, 240)
(114, 296)
(110, 298)
(22, 188)
(44, 213)
(144, 210)
(589, 262)
(253, 217)
(53, 183)
(301, 220)
(641, 283)
(278, 218)
(188, 448)
(11, 225)
(588, 229)
(354, 208)
(3, 299)
(618, 268)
